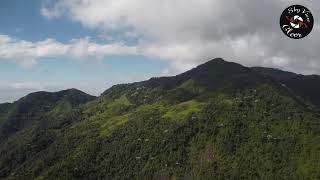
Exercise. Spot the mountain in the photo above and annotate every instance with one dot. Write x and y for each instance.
(220, 120)
(27, 111)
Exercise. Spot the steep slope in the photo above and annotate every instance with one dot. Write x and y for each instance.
(306, 86)
(218, 121)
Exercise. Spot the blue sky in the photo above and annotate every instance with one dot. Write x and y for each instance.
(24, 21)
(93, 44)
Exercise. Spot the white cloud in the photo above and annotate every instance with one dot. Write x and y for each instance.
(27, 53)
(30, 85)
(34, 86)
(188, 32)
(185, 33)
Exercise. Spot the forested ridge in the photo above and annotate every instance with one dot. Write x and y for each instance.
(220, 120)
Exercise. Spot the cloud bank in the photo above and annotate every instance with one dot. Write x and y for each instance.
(185, 33)
(189, 32)
(27, 53)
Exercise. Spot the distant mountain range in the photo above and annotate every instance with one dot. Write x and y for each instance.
(220, 120)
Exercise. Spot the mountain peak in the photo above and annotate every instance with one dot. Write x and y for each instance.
(217, 60)
(22, 113)
(58, 94)
(73, 91)
(221, 61)
(219, 65)
(214, 68)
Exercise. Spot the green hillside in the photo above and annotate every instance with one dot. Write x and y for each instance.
(305, 86)
(30, 109)
(219, 120)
